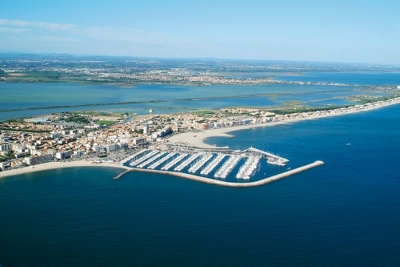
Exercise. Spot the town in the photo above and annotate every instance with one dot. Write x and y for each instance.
(108, 137)
(128, 71)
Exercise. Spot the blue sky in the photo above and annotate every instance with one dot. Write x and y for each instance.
(362, 31)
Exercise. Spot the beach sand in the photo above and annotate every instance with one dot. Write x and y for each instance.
(196, 139)
(58, 165)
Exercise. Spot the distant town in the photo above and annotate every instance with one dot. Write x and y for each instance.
(128, 71)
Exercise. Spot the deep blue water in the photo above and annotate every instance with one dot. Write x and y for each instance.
(344, 213)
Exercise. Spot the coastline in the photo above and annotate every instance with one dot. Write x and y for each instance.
(59, 165)
(197, 139)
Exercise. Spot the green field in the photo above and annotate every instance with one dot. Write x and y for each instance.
(104, 122)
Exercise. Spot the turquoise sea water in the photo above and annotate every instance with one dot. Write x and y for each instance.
(344, 213)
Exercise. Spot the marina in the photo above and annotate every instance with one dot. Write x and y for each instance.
(233, 164)
(187, 162)
(228, 166)
(264, 181)
(150, 160)
(200, 163)
(160, 161)
(210, 167)
(248, 169)
(174, 162)
(134, 156)
(145, 157)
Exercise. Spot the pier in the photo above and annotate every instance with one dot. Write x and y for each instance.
(210, 167)
(248, 169)
(138, 161)
(271, 158)
(174, 161)
(161, 161)
(150, 160)
(186, 162)
(133, 156)
(200, 163)
(228, 166)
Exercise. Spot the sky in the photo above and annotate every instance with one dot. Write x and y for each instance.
(360, 31)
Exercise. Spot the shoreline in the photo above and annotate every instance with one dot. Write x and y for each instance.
(197, 139)
(59, 165)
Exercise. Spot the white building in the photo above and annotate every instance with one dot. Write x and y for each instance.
(63, 155)
(5, 147)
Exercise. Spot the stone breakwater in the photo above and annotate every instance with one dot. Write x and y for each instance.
(229, 184)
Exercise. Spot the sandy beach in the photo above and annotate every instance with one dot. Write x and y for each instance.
(197, 139)
(58, 165)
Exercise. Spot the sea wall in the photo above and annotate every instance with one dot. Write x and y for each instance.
(230, 184)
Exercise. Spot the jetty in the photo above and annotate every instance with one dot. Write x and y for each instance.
(229, 184)
(271, 158)
(189, 161)
(122, 174)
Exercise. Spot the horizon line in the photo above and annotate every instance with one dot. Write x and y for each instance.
(191, 58)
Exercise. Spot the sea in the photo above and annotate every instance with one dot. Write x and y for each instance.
(344, 213)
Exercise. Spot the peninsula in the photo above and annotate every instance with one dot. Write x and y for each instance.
(122, 141)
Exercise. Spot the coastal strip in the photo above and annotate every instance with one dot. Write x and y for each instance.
(197, 140)
(228, 184)
(59, 165)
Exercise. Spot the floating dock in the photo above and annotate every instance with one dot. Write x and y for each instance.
(186, 162)
(161, 161)
(134, 156)
(145, 157)
(247, 170)
(200, 163)
(150, 160)
(174, 162)
(213, 164)
(228, 166)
